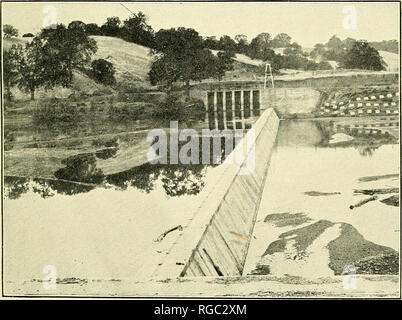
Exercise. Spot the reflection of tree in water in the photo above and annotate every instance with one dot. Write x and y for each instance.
(80, 168)
(63, 187)
(106, 153)
(16, 186)
(183, 180)
(176, 180)
(366, 150)
(142, 177)
(327, 130)
(364, 142)
(42, 188)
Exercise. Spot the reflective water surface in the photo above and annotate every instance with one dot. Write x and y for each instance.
(95, 208)
(92, 206)
(305, 225)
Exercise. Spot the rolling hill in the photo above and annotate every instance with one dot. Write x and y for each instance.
(132, 63)
(391, 59)
(130, 60)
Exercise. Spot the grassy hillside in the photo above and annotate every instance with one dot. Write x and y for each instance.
(131, 61)
(391, 59)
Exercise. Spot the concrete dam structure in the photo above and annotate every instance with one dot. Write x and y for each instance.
(216, 241)
(232, 109)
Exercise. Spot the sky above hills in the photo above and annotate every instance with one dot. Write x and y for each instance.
(306, 23)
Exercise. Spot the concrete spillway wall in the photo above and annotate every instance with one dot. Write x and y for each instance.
(216, 242)
(291, 100)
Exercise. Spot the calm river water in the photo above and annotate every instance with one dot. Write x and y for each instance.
(305, 226)
(105, 226)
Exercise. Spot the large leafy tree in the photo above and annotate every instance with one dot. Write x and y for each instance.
(179, 55)
(318, 51)
(51, 57)
(362, 56)
(223, 62)
(103, 71)
(9, 31)
(260, 47)
(92, 29)
(211, 43)
(281, 40)
(30, 68)
(241, 43)
(227, 43)
(11, 58)
(111, 27)
(136, 29)
(77, 24)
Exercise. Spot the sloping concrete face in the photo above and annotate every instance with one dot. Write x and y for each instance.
(288, 101)
(217, 240)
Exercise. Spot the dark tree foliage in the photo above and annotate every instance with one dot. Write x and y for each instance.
(281, 40)
(362, 56)
(11, 75)
(81, 168)
(103, 71)
(223, 62)
(50, 58)
(241, 43)
(9, 31)
(111, 27)
(92, 29)
(27, 35)
(226, 43)
(135, 29)
(28, 62)
(77, 24)
(179, 56)
(164, 72)
(260, 47)
(211, 43)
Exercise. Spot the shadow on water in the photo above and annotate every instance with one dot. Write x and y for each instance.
(81, 168)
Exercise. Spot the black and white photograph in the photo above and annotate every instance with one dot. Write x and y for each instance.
(200, 150)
